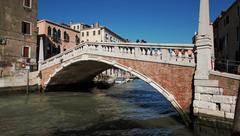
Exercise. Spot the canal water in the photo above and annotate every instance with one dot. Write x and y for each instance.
(131, 109)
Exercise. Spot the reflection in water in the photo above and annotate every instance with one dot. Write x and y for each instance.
(132, 109)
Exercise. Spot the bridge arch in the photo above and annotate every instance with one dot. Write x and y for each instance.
(106, 63)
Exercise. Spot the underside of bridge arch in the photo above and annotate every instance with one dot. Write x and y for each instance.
(78, 73)
(173, 82)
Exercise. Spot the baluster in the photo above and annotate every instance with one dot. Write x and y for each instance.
(124, 50)
(159, 53)
(148, 52)
(192, 58)
(180, 55)
(127, 50)
(173, 55)
(133, 50)
(143, 51)
(186, 55)
(121, 49)
(113, 49)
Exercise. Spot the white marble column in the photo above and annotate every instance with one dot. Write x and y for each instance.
(203, 42)
(41, 53)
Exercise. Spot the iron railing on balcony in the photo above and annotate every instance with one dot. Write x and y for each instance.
(229, 66)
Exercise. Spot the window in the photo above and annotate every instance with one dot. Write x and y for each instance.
(27, 3)
(74, 27)
(49, 50)
(226, 21)
(54, 32)
(59, 34)
(94, 32)
(49, 31)
(226, 41)
(26, 28)
(77, 39)
(87, 33)
(238, 11)
(66, 37)
(78, 27)
(26, 52)
(82, 34)
(99, 32)
(238, 33)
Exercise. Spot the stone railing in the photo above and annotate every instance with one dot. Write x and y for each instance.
(178, 54)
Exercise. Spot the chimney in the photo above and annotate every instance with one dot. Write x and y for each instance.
(81, 26)
(97, 24)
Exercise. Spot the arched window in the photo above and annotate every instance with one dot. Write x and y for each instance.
(59, 34)
(77, 39)
(49, 31)
(54, 32)
(66, 37)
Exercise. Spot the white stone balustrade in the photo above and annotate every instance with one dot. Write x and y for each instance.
(162, 53)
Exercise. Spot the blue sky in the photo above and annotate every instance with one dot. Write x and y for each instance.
(161, 21)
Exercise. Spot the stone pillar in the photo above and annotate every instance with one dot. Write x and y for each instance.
(212, 43)
(41, 53)
(203, 42)
(165, 55)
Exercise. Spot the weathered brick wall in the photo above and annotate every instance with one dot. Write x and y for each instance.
(230, 86)
(173, 78)
(177, 80)
(46, 73)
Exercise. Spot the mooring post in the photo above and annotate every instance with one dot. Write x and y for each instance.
(27, 90)
(236, 125)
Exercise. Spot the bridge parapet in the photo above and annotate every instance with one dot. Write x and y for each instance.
(177, 54)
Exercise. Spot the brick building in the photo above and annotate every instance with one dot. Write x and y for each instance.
(227, 38)
(56, 37)
(18, 35)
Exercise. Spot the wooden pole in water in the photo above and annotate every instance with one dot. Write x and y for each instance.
(27, 90)
(236, 125)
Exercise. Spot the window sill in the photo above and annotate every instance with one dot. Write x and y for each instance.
(27, 34)
(27, 8)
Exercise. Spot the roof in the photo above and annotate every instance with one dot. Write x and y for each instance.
(224, 12)
(59, 25)
(109, 30)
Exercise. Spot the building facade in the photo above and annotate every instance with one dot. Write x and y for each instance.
(96, 33)
(56, 37)
(227, 38)
(18, 35)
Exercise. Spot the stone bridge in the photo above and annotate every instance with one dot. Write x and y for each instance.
(186, 80)
(159, 65)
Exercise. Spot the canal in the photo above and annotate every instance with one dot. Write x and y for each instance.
(131, 109)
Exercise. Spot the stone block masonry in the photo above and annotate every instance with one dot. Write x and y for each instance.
(216, 97)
